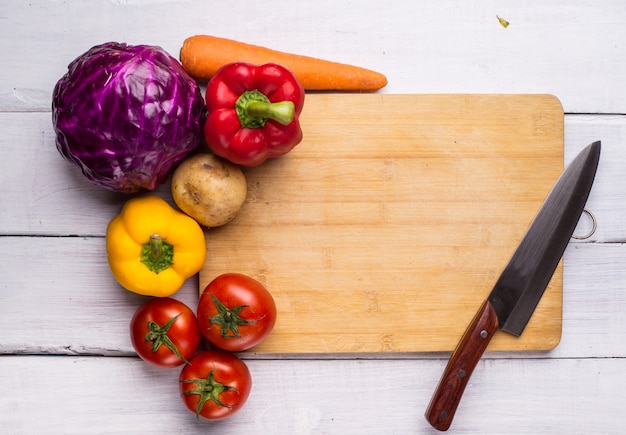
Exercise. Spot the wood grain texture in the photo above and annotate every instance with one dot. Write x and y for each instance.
(458, 371)
(28, 142)
(87, 312)
(386, 227)
(571, 49)
(97, 395)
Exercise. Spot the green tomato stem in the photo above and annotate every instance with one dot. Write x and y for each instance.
(157, 335)
(208, 389)
(228, 319)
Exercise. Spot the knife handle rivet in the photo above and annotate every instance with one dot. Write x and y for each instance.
(483, 334)
(462, 373)
(443, 415)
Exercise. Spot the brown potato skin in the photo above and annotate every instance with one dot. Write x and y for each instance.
(209, 188)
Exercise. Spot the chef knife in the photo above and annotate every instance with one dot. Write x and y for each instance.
(517, 292)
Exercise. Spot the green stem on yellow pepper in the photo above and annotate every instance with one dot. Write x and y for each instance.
(157, 254)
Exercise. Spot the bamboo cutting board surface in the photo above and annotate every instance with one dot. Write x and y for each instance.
(387, 226)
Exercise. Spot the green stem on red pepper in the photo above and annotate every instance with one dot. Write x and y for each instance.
(254, 109)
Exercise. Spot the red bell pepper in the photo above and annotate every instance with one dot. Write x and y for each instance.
(253, 112)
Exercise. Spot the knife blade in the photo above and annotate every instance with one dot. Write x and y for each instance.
(522, 283)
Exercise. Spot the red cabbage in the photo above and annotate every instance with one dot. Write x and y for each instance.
(126, 115)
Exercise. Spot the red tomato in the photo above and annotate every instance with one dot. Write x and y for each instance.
(164, 332)
(236, 312)
(215, 384)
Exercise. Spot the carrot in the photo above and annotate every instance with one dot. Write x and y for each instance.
(202, 55)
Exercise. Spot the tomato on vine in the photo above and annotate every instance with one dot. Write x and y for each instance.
(236, 312)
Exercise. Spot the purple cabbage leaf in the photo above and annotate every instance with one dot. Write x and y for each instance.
(126, 115)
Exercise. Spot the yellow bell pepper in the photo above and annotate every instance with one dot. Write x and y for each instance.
(153, 248)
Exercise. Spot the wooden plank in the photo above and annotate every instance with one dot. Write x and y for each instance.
(314, 396)
(608, 188)
(572, 50)
(27, 147)
(82, 309)
(384, 229)
(87, 312)
(40, 180)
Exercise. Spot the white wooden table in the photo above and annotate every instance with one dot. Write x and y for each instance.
(66, 363)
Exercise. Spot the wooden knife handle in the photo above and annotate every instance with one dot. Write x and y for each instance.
(460, 367)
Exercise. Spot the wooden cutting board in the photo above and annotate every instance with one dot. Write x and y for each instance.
(387, 226)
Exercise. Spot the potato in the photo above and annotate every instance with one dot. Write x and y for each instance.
(209, 189)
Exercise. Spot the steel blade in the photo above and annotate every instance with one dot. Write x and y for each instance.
(524, 280)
